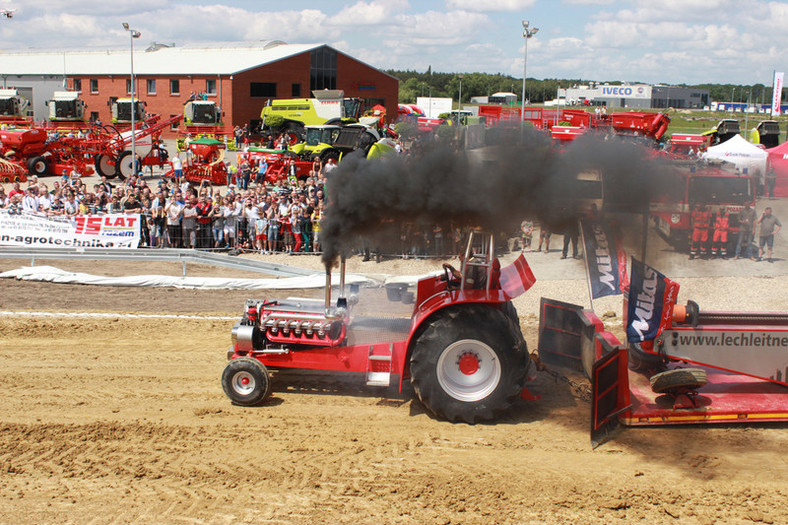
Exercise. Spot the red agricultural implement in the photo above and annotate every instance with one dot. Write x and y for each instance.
(701, 367)
(279, 162)
(42, 152)
(460, 346)
(206, 162)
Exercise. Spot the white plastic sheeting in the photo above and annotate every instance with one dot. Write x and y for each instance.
(56, 275)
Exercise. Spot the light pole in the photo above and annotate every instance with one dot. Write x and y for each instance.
(527, 33)
(459, 104)
(132, 35)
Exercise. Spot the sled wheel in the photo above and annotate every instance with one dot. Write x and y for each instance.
(680, 378)
(469, 364)
(246, 382)
(644, 362)
(124, 167)
(38, 166)
(103, 166)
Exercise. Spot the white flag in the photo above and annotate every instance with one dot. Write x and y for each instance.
(778, 93)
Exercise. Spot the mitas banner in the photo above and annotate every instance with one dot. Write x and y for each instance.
(59, 231)
(606, 261)
(651, 300)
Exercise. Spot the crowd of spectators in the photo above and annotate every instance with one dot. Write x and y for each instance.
(283, 217)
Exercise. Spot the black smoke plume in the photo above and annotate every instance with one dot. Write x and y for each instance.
(494, 188)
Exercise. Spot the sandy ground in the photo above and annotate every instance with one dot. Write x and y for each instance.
(122, 420)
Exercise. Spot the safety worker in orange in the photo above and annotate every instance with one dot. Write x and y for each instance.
(719, 242)
(701, 221)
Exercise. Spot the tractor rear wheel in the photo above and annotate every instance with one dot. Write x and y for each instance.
(38, 166)
(469, 364)
(103, 166)
(246, 381)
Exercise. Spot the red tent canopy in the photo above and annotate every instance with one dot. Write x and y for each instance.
(778, 159)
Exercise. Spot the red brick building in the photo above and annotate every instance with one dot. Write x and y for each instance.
(239, 78)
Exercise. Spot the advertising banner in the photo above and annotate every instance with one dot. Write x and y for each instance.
(606, 262)
(83, 231)
(777, 93)
(651, 297)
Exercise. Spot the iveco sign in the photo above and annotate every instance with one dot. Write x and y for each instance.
(617, 91)
(625, 91)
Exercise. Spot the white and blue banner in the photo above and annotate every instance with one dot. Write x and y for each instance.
(651, 298)
(606, 263)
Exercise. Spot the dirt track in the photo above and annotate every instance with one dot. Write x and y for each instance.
(123, 420)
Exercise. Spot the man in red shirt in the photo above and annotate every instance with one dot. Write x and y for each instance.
(204, 235)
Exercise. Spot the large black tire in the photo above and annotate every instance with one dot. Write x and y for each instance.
(124, 166)
(246, 381)
(38, 166)
(680, 378)
(103, 166)
(329, 154)
(469, 363)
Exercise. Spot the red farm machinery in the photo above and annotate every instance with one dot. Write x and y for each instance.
(205, 161)
(42, 151)
(700, 367)
(461, 346)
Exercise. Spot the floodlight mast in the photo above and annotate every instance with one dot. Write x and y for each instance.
(132, 35)
(527, 33)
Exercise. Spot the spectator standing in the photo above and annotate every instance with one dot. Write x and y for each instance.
(217, 221)
(174, 212)
(527, 233)
(246, 173)
(771, 181)
(177, 168)
(544, 237)
(204, 220)
(770, 226)
(262, 168)
(571, 234)
(746, 229)
(189, 223)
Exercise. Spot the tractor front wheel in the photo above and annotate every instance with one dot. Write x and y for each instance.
(469, 364)
(246, 381)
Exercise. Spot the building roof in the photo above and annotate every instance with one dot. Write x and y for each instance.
(216, 59)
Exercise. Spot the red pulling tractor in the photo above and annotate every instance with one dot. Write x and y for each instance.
(461, 347)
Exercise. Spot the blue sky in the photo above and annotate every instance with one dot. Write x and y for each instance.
(669, 41)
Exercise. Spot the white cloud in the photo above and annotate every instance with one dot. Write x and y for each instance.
(497, 5)
(363, 13)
